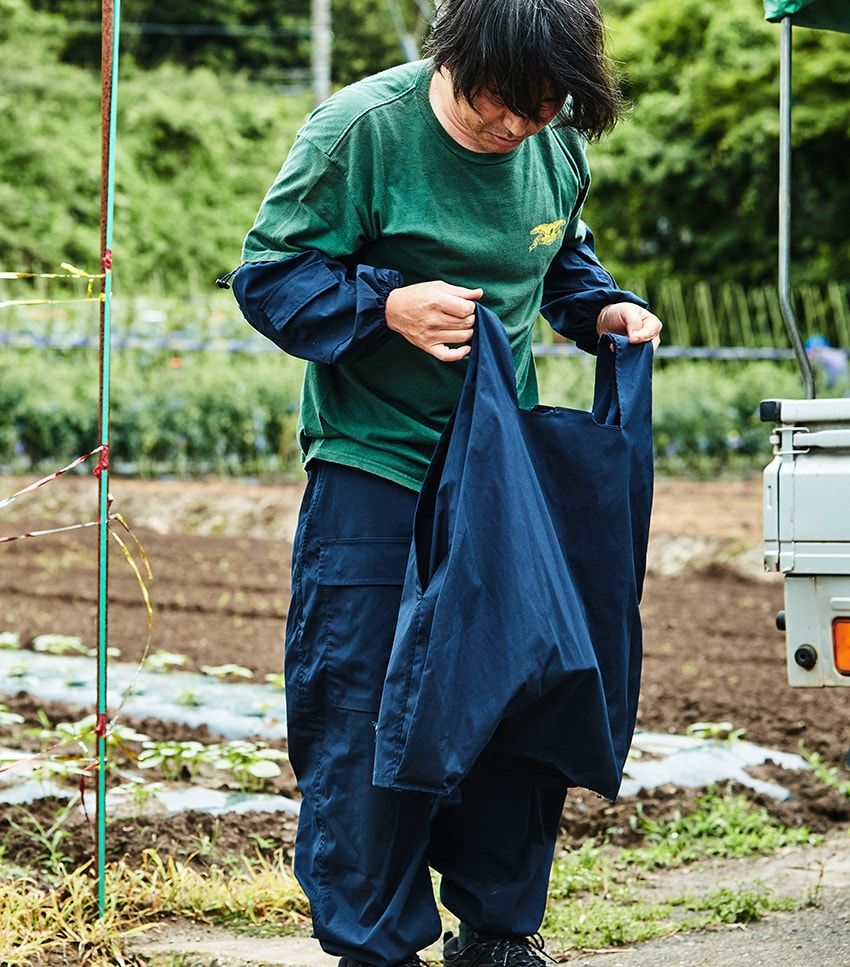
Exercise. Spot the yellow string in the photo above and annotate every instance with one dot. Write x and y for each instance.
(71, 272)
(48, 302)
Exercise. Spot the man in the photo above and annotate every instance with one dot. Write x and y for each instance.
(406, 199)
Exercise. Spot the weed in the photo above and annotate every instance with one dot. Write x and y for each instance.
(207, 841)
(591, 906)
(727, 905)
(263, 843)
(828, 775)
(722, 825)
(585, 870)
(616, 917)
(62, 920)
(606, 921)
(812, 899)
(48, 840)
(719, 731)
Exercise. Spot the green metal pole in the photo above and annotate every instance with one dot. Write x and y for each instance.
(111, 12)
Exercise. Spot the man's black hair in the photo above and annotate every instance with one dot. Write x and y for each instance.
(528, 52)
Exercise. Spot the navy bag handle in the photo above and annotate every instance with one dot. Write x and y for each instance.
(619, 394)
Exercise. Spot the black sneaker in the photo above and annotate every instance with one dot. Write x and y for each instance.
(475, 948)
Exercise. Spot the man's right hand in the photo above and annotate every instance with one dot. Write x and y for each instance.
(433, 316)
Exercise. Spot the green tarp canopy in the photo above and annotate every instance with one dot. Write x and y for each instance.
(825, 14)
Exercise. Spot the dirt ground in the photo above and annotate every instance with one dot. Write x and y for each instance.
(220, 555)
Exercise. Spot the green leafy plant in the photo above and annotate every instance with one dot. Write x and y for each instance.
(80, 736)
(60, 768)
(728, 905)
(829, 775)
(9, 641)
(250, 764)
(163, 661)
(48, 839)
(174, 759)
(8, 718)
(189, 698)
(718, 731)
(583, 870)
(60, 645)
(227, 672)
(139, 790)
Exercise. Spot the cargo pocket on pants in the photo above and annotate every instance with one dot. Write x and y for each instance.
(360, 584)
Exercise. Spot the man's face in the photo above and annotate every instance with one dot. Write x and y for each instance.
(489, 124)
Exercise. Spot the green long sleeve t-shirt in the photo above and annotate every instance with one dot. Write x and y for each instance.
(373, 176)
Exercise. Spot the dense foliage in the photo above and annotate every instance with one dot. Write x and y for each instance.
(264, 39)
(213, 413)
(685, 189)
(688, 186)
(196, 153)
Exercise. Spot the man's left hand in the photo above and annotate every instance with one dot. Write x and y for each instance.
(629, 319)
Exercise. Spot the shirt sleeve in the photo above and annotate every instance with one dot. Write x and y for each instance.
(316, 308)
(299, 284)
(577, 287)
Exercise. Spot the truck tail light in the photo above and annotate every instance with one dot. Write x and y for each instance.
(841, 644)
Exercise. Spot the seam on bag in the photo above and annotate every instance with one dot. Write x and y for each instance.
(616, 374)
(617, 354)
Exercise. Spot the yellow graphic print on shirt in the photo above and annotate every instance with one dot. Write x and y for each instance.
(547, 234)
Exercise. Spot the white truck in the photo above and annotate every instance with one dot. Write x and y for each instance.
(807, 534)
(807, 484)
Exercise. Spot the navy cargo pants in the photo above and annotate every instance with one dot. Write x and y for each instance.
(363, 854)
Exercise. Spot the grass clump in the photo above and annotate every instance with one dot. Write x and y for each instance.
(594, 897)
(594, 900)
(722, 825)
(619, 918)
(828, 775)
(59, 918)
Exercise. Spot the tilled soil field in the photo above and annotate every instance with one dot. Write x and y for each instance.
(220, 554)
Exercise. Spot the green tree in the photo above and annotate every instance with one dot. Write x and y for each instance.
(687, 186)
(252, 35)
(195, 155)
